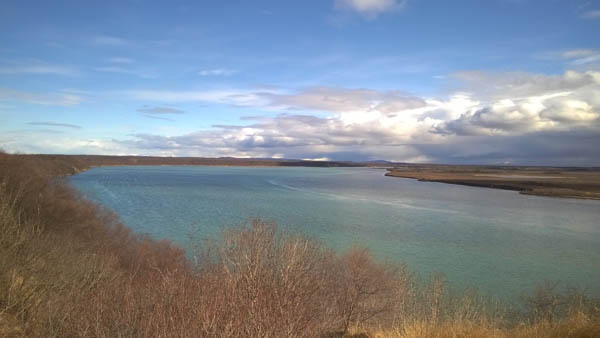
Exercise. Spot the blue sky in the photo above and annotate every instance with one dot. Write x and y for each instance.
(498, 81)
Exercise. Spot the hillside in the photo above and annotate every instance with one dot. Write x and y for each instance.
(70, 268)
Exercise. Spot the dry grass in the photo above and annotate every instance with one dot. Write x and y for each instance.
(543, 181)
(69, 268)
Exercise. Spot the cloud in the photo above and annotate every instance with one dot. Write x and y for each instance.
(279, 132)
(36, 142)
(522, 84)
(126, 71)
(555, 148)
(158, 118)
(594, 58)
(531, 103)
(513, 117)
(369, 8)
(160, 110)
(593, 14)
(577, 53)
(50, 99)
(217, 72)
(157, 112)
(345, 100)
(292, 136)
(38, 68)
(518, 118)
(104, 40)
(328, 99)
(576, 57)
(234, 97)
(55, 124)
(120, 60)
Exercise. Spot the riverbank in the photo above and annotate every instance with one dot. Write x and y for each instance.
(73, 164)
(582, 183)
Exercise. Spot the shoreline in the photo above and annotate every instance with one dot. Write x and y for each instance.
(74, 164)
(546, 182)
(578, 183)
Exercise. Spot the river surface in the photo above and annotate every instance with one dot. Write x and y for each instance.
(499, 241)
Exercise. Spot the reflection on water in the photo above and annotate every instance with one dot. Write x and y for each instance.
(498, 240)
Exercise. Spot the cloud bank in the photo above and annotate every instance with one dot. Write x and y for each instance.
(514, 117)
(518, 118)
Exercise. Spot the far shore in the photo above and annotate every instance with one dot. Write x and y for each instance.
(582, 183)
(74, 164)
(572, 182)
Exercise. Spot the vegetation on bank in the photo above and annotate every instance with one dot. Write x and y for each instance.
(70, 268)
(71, 164)
(583, 183)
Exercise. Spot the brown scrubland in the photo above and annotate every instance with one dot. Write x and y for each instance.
(69, 268)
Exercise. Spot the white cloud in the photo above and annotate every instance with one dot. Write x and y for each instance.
(217, 72)
(576, 57)
(492, 85)
(345, 100)
(527, 103)
(577, 53)
(120, 60)
(38, 69)
(126, 71)
(369, 8)
(318, 159)
(586, 60)
(233, 97)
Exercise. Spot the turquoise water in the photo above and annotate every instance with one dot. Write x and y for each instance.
(502, 242)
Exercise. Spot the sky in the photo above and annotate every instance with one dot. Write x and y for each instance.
(462, 81)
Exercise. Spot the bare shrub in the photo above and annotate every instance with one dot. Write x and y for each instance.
(366, 288)
(545, 302)
(262, 283)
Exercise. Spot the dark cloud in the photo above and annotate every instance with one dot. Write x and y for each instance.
(485, 122)
(159, 110)
(562, 148)
(300, 136)
(55, 124)
(158, 117)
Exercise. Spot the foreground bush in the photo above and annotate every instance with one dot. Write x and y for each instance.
(69, 268)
